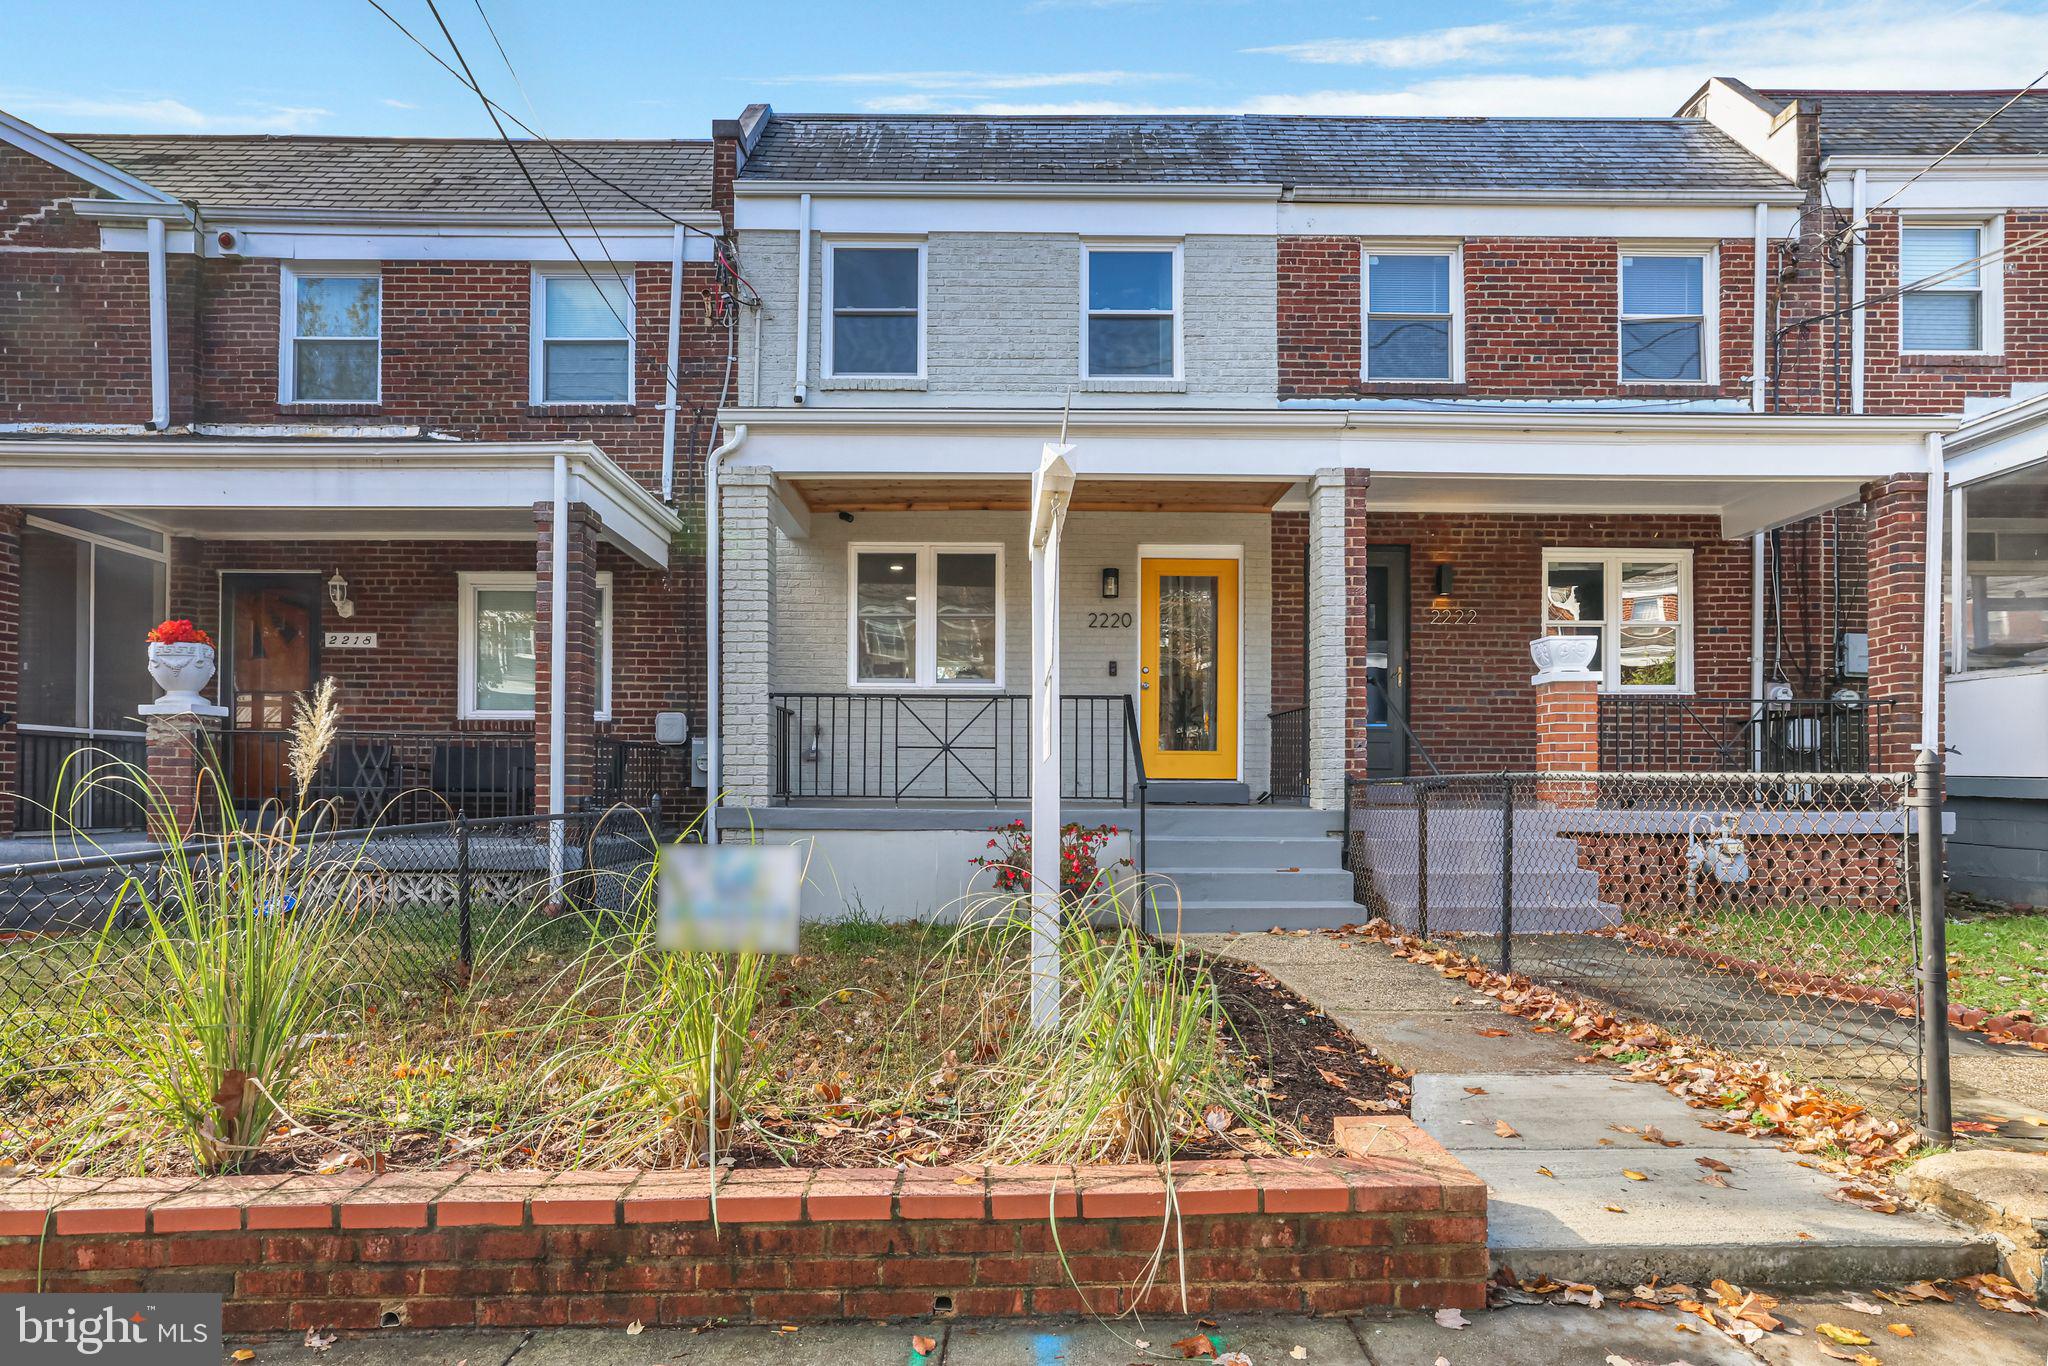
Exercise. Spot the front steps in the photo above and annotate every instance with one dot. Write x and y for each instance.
(1220, 869)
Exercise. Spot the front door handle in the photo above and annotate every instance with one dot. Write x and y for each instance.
(1145, 687)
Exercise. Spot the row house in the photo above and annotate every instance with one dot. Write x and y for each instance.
(362, 409)
(1357, 408)
(1923, 263)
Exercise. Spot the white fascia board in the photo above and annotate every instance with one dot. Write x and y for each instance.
(1054, 212)
(1997, 443)
(1965, 184)
(1782, 504)
(99, 174)
(753, 188)
(1427, 194)
(1655, 220)
(506, 242)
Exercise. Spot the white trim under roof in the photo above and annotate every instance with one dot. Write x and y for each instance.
(90, 169)
(2004, 439)
(309, 489)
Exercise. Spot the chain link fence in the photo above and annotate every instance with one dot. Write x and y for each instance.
(433, 902)
(1772, 915)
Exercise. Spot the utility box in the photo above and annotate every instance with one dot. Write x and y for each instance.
(700, 762)
(1855, 650)
(671, 728)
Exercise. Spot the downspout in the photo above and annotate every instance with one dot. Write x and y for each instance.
(558, 674)
(803, 299)
(714, 754)
(1759, 311)
(1756, 649)
(1857, 321)
(1930, 608)
(1958, 581)
(159, 329)
(670, 398)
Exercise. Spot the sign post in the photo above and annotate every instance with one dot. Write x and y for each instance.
(1051, 488)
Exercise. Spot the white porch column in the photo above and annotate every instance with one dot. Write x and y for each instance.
(1325, 610)
(746, 633)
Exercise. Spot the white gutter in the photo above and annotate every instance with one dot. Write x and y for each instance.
(558, 674)
(159, 329)
(1857, 317)
(1930, 608)
(714, 755)
(1756, 640)
(675, 347)
(1958, 579)
(803, 298)
(1759, 310)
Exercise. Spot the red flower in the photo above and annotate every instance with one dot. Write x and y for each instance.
(178, 631)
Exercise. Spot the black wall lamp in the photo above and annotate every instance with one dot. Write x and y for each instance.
(1112, 583)
(1446, 582)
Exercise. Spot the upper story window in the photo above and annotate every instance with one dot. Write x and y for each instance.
(1666, 331)
(925, 615)
(1410, 315)
(332, 330)
(582, 337)
(1946, 304)
(1636, 603)
(1131, 323)
(877, 295)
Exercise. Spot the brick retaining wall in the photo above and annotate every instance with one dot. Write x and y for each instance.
(1401, 1228)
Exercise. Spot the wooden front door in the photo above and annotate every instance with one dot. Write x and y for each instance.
(1187, 668)
(273, 655)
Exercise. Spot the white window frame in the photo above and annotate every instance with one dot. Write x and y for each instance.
(537, 339)
(1990, 287)
(1611, 560)
(468, 585)
(1455, 253)
(827, 361)
(925, 670)
(1710, 309)
(1089, 247)
(288, 278)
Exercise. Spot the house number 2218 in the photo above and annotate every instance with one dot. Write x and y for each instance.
(1109, 621)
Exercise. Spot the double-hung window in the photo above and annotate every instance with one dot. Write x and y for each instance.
(1636, 603)
(1944, 308)
(926, 616)
(1131, 312)
(497, 650)
(582, 336)
(1667, 332)
(877, 297)
(1410, 315)
(332, 330)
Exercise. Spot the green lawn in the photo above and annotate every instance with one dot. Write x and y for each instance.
(1999, 962)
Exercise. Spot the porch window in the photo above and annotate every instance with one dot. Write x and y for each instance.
(2004, 525)
(91, 588)
(877, 293)
(1665, 331)
(333, 325)
(1636, 603)
(1132, 298)
(582, 337)
(925, 616)
(1943, 309)
(497, 649)
(1409, 316)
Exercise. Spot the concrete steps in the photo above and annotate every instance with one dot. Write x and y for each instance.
(1248, 868)
(1552, 893)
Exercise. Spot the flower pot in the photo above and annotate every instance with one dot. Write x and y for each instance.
(1563, 654)
(181, 670)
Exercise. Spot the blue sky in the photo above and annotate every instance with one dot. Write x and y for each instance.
(641, 68)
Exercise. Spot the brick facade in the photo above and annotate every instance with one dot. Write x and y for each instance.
(1290, 609)
(1898, 566)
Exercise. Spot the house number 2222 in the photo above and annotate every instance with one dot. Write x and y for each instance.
(1109, 621)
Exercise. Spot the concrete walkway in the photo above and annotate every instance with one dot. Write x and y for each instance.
(1562, 1203)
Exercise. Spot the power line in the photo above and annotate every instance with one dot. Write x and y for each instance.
(1991, 257)
(2017, 97)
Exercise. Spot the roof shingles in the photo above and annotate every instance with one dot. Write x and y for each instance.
(1925, 122)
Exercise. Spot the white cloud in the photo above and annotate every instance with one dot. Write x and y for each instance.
(398, 104)
(161, 114)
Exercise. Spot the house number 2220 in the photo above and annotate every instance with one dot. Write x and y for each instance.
(1109, 621)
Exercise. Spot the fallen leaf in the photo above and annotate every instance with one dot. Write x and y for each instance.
(1848, 1337)
(1714, 1179)
(318, 1341)
(1862, 1306)
(635, 1328)
(1491, 1033)
(1505, 1129)
(244, 1354)
(1475, 1090)
(1614, 1209)
(1297, 1353)
(1451, 1318)
(1575, 1293)
(1928, 1290)
(1545, 1171)
(922, 1345)
(1713, 1164)
(1898, 1330)
(1633, 1175)
(1233, 1359)
(1196, 1346)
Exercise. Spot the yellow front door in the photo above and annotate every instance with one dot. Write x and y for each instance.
(1187, 668)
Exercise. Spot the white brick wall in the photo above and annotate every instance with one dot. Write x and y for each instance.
(747, 568)
(1327, 682)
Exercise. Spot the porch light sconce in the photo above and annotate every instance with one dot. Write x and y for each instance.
(337, 593)
(1446, 582)
(815, 750)
(1112, 582)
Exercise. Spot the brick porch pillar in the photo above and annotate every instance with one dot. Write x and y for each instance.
(1357, 614)
(182, 749)
(1567, 733)
(746, 635)
(10, 660)
(1897, 575)
(580, 667)
(1325, 611)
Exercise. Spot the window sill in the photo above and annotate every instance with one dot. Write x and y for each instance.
(1132, 384)
(580, 409)
(902, 384)
(1430, 388)
(320, 408)
(1923, 361)
(1670, 388)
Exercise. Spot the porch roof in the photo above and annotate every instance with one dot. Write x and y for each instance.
(333, 488)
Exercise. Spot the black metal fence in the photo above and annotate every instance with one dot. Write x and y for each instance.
(1287, 777)
(47, 771)
(431, 902)
(386, 776)
(1773, 915)
(1660, 732)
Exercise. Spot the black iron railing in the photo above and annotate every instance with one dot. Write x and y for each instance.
(642, 774)
(1287, 776)
(905, 747)
(386, 777)
(1673, 733)
(53, 784)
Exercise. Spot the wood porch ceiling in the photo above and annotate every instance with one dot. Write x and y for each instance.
(1013, 495)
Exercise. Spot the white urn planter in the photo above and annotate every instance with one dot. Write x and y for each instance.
(1564, 659)
(181, 670)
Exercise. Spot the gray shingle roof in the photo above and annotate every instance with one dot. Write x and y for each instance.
(1924, 122)
(416, 175)
(1348, 153)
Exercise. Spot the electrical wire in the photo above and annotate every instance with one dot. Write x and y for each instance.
(2017, 97)
(1991, 257)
